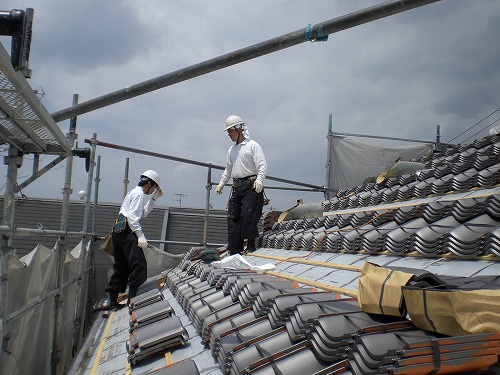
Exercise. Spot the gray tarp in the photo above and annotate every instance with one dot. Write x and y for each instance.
(32, 278)
(353, 161)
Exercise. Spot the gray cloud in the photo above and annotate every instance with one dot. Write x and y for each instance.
(398, 76)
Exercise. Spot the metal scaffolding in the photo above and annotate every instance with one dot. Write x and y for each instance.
(27, 127)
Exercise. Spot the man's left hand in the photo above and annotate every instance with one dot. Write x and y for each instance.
(142, 242)
(257, 185)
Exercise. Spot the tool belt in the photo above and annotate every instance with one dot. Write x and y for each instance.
(239, 182)
(120, 224)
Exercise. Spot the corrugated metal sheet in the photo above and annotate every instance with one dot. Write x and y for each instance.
(181, 223)
(187, 225)
(43, 213)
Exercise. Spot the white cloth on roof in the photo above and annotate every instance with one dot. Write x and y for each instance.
(243, 160)
(238, 262)
(495, 130)
(133, 208)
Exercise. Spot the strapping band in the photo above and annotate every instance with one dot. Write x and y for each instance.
(321, 37)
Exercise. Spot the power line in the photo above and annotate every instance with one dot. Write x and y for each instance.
(473, 135)
(451, 140)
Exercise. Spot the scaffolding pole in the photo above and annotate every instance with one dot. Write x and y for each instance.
(313, 33)
(328, 165)
(189, 161)
(61, 247)
(207, 206)
(14, 161)
(79, 312)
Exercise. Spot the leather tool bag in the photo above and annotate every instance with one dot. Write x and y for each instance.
(107, 245)
(118, 227)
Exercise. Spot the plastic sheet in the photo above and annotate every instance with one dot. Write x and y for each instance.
(353, 162)
(238, 262)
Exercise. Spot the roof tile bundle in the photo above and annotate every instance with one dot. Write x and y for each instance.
(258, 324)
(153, 326)
(416, 352)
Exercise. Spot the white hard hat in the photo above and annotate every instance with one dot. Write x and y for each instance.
(233, 121)
(152, 175)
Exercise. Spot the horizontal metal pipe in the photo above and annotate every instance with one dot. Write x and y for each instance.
(381, 137)
(319, 190)
(5, 230)
(175, 242)
(260, 49)
(185, 243)
(313, 190)
(188, 161)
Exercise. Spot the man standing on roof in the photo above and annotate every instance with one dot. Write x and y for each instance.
(130, 266)
(246, 165)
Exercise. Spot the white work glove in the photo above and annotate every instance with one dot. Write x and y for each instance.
(257, 185)
(156, 194)
(142, 242)
(218, 189)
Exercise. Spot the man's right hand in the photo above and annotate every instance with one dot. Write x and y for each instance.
(218, 189)
(157, 194)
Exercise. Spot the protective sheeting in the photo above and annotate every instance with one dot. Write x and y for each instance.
(454, 312)
(379, 289)
(159, 261)
(33, 279)
(353, 161)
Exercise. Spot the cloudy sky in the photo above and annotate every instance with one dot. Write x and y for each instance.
(399, 76)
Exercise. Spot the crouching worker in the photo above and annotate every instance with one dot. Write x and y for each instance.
(130, 266)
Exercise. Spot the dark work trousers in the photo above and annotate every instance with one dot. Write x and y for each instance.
(243, 214)
(130, 265)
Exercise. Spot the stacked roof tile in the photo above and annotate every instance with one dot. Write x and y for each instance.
(153, 326)
(258, 324)
(451, 207)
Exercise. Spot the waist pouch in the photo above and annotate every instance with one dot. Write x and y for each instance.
(239, 182)
(120, 224)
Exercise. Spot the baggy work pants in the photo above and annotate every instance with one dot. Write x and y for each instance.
(243, 214)
(130, 266)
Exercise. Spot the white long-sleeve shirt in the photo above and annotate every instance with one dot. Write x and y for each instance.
(243, 160)
(133, 208)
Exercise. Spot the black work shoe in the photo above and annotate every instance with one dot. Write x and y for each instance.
(112, 301)
(250, 246)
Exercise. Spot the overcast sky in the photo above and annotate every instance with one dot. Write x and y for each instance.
(399, 76)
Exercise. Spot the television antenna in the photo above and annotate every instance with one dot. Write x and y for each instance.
(181, 195)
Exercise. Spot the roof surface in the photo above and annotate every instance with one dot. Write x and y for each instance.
(303, 315)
